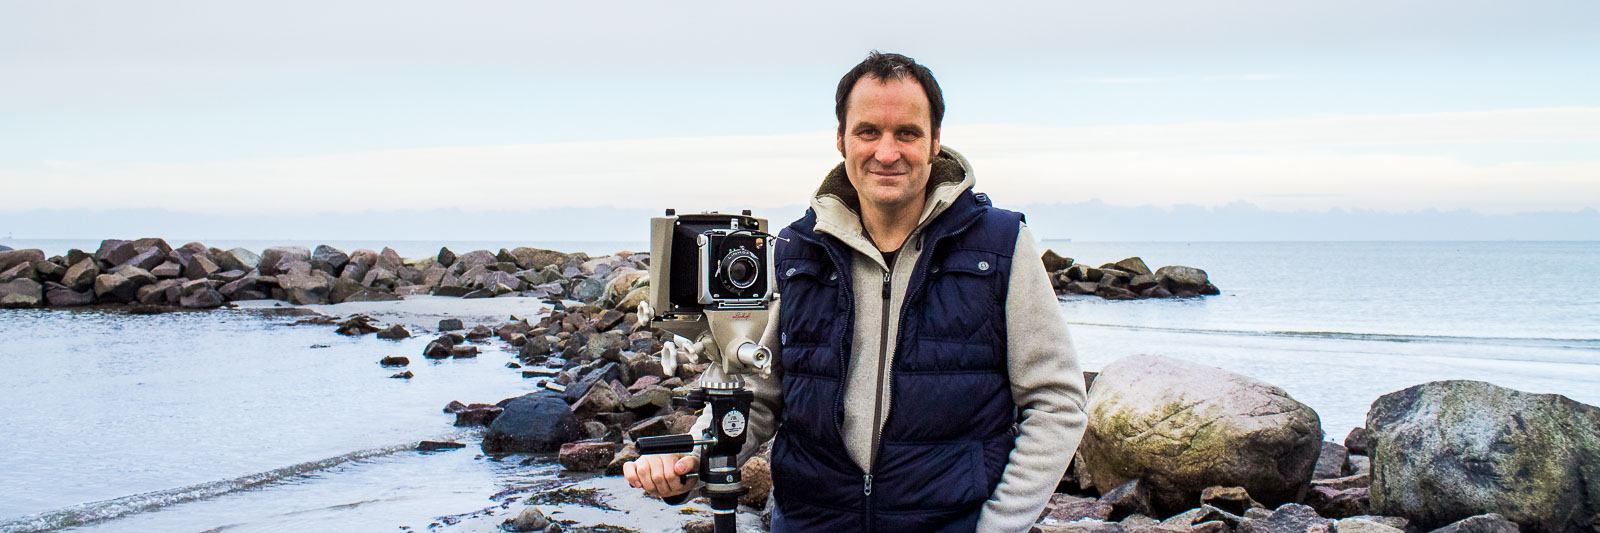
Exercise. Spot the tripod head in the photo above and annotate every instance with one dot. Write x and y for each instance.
(711, 281)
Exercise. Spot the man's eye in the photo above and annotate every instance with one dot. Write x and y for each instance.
(908, 136)
(868, 134)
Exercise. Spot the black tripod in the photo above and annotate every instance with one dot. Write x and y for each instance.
(719, 463)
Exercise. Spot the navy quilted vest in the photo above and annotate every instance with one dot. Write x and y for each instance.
(949, 430)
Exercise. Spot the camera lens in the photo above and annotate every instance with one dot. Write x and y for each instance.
(740, 269)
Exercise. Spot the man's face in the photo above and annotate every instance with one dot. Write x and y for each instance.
(888, 142)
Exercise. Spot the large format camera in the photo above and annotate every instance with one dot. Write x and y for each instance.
(711, 285)
(712, 259)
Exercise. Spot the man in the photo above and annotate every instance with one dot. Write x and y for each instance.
(927, 380)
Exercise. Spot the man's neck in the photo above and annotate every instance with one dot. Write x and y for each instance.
(888, 226)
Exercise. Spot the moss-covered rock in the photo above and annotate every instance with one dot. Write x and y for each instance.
(1448, 450)
(1181, 427)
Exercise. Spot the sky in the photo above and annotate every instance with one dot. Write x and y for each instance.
(309, 108)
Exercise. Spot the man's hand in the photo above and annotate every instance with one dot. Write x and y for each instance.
(660, 475)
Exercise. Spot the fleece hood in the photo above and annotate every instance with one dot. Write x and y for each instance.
(838, 205)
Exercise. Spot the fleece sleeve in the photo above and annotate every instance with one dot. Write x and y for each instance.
(1047, 386)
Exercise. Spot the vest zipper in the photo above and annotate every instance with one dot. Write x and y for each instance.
(883, 371)
(867, 490)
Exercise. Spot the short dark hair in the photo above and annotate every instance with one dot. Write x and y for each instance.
(889, 67)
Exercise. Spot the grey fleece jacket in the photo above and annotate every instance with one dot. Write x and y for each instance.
(1046, 383)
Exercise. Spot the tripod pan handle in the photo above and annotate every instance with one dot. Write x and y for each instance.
(666, 444)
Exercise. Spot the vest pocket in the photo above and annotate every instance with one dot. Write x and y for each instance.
(928, 476)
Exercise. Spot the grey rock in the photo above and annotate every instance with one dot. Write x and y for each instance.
(199, 294)
(19, 270)
(200, 268)
(1364, 525)
(534, 258)
(451, 324)
(21, 293)
(1054, 262)
(1182, 278)
(390, 260)
(1486, 523)
(608, 372)
(80, 276)
(445, 258)
(530, 519)
(307, 289)
(237, 259)
(332, 258)
(272, 257)
(1291, 517)
(587, 456)
(1448, 450)
(167, 270)
(1132, 265)
(149, 243)
(1331, 461)
(534, 423)
(588, 290)
(123, 285)
(112, 252)
(12, 258)
(1182, 427)
(58, 295)
(1356, 441)
(148, 259)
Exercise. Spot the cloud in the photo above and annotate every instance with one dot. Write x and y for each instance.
(1180, 79)
(1368, 162)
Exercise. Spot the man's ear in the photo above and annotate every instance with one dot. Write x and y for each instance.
(935, 146)
(838, 141)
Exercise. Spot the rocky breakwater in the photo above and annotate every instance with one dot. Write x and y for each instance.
(1172, 446)
(1128, 279)
(152, 274)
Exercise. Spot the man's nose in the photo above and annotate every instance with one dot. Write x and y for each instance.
(886, 152)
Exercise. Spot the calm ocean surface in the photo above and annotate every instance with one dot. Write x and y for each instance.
(233, 421)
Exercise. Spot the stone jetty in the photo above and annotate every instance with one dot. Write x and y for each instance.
(1128, 279)
(152, 274)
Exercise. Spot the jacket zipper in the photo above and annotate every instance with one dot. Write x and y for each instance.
(883, 355)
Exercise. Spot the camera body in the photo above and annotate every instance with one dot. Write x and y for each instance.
(709, 260)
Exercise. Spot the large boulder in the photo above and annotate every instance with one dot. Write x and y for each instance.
(307, 288)
(20, 293)
(1054, 262)
(1132, 265)
(533, 423)
(534, 258)
(1185, 281)
(200, 294)
(122, 285)
(1181, 427)
(1448, 450)
(271, 257)
(237, 259)
(329, 259)
(12, 258)
(58, 295)
(149, 259)
(114, 252)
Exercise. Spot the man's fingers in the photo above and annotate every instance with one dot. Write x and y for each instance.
(662, 475)
(647, 475)
(629, 474)
(686, 464)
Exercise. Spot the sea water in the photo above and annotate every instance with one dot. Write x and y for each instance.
(237, 421)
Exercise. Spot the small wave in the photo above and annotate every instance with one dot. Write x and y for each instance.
(1530, 342)
(101, 511)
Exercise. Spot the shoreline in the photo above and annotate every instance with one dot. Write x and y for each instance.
(583, 344)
